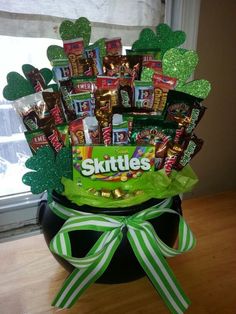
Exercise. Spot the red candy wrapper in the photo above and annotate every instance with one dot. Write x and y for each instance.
(113, 46)
(110, 84)
(76, 129)
(156, 65)
(74, 49)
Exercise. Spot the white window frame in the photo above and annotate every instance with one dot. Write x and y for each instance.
(21, 209)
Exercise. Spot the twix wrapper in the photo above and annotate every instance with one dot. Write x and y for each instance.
(171, 159)
(36, 79)
(52, 134)
(53, 101)
(103, 113)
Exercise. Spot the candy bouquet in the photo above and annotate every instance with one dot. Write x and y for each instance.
(113, 132)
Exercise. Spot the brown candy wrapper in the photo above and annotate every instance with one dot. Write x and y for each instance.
(52, 134)
(66, 88)
(110, 84)
(123, 66)
(53, 101)
(184, 109)
(86, 67)
(171, 159)
(36, 79)
(103, 113)
(191, 147)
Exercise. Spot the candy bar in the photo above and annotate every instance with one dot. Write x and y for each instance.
(162, 84)
(103, 113)
(74, 49)
(184, 109)
(53, 101)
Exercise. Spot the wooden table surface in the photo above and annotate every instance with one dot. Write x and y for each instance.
(30, 276)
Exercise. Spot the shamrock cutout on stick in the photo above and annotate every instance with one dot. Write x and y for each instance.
(80, 28)
(163, 40)
(18, 86)
(55, 52)
(181, 63)
(197, 88)
(48, 170)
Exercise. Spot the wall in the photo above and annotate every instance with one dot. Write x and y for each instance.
(215, 164)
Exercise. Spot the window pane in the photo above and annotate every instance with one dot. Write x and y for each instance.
(14, 149)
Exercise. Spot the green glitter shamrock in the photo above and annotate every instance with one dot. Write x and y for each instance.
(18, 86)
(55, 52)
(81, 28)
(49, 168)
(181, 63)
(163, 40)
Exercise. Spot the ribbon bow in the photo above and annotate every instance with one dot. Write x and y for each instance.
(149, 249)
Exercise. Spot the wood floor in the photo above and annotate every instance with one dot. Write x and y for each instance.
(30, 276)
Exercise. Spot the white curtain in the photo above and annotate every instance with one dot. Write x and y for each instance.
(110, 18)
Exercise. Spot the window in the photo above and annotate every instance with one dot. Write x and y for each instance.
(27, 28)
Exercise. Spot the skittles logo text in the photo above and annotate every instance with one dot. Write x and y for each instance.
(114, 164)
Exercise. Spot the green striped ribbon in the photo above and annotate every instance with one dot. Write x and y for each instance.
(149, 249)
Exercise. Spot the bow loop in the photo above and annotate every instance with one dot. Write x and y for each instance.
(149, 249)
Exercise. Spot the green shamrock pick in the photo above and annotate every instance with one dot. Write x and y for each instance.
(55, 52)
(45, 72)
(48, 170)
(18, 86)
(80, 28)
(161, 41)
(197, 88)
(181, 63)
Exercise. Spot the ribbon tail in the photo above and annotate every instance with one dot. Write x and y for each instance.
(158, 271)
(80, 279)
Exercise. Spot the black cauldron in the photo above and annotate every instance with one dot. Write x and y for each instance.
(124, 266)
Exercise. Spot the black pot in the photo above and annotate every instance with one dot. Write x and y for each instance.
(124, 266)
